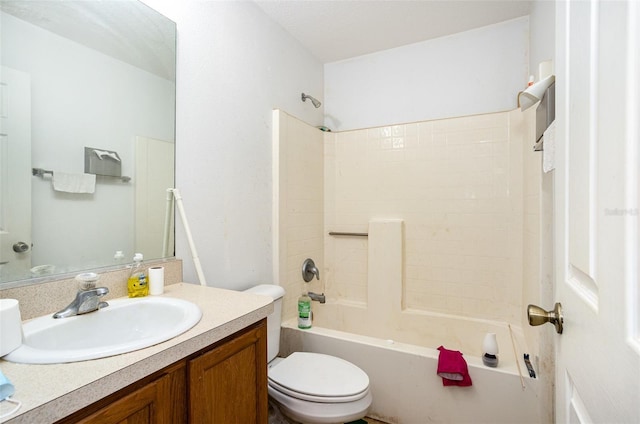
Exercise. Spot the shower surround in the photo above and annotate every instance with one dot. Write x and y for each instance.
(457, 184)
(451, 208)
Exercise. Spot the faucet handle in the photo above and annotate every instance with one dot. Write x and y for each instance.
(89, 299)
(309, 269)
(101, 291)
(92, 292)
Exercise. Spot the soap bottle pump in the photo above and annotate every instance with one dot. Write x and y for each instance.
(304, 311)
(137, 284)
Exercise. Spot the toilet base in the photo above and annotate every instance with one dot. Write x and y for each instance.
(276, 416)
(307, 412)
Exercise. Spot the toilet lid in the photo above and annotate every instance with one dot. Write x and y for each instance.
(319, 377)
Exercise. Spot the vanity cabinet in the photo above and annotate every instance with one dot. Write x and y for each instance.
(228, 384)
(161, 401)
(223, 383)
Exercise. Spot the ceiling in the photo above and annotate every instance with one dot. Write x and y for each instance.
(124, 29)
(331, 30)
(334, 30)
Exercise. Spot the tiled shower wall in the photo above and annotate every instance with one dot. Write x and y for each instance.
(466, 189)
(298, 205)
(458, 185)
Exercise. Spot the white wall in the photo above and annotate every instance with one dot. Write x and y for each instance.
(478, 71)
(234, 66)
(543, 34)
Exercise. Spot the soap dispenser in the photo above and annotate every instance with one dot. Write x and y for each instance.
(137, 284)
(304, 311)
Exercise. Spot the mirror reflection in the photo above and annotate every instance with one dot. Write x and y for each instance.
(87, 98)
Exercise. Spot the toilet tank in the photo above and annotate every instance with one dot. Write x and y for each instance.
(274, 319)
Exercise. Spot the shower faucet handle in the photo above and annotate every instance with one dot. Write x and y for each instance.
(309, 270)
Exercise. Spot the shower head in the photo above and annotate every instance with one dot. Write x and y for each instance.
(315, 101)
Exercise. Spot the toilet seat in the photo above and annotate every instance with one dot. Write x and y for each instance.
(319, 378)
(318, 399)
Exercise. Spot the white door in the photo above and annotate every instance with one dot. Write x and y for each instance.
(154, 174)
(15, 174)
(596, 211)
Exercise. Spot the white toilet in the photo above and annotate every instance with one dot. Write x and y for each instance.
(311, 387)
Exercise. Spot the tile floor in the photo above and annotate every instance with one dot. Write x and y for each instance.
(372, 421)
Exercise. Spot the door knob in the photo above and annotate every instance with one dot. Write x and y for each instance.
(538, 316)
(20, 247)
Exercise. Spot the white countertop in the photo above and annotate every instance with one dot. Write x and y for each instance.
(51, 392)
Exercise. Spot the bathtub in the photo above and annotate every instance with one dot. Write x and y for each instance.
(402, 367)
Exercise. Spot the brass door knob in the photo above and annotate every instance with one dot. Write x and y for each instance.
(538, 316)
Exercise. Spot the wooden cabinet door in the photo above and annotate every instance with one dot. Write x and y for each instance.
(139, 407)
(162, 401)
(228, 385)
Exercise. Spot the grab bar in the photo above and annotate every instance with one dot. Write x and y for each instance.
(339, 233)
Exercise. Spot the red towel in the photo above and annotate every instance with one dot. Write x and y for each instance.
(453, 368)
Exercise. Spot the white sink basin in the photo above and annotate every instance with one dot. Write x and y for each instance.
(123, 326)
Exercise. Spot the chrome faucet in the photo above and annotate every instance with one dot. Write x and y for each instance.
(309, 269)
(86, 301)
(317, 297)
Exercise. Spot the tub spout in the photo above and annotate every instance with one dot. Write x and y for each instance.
(317, 297)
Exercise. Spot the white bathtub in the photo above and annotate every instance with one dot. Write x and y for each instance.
(405, 387)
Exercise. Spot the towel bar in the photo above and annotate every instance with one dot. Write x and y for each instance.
(39, 172)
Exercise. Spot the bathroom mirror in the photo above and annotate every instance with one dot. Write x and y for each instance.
(80, 79)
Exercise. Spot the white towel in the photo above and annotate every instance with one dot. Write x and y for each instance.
(549, 148)
(74, 183)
